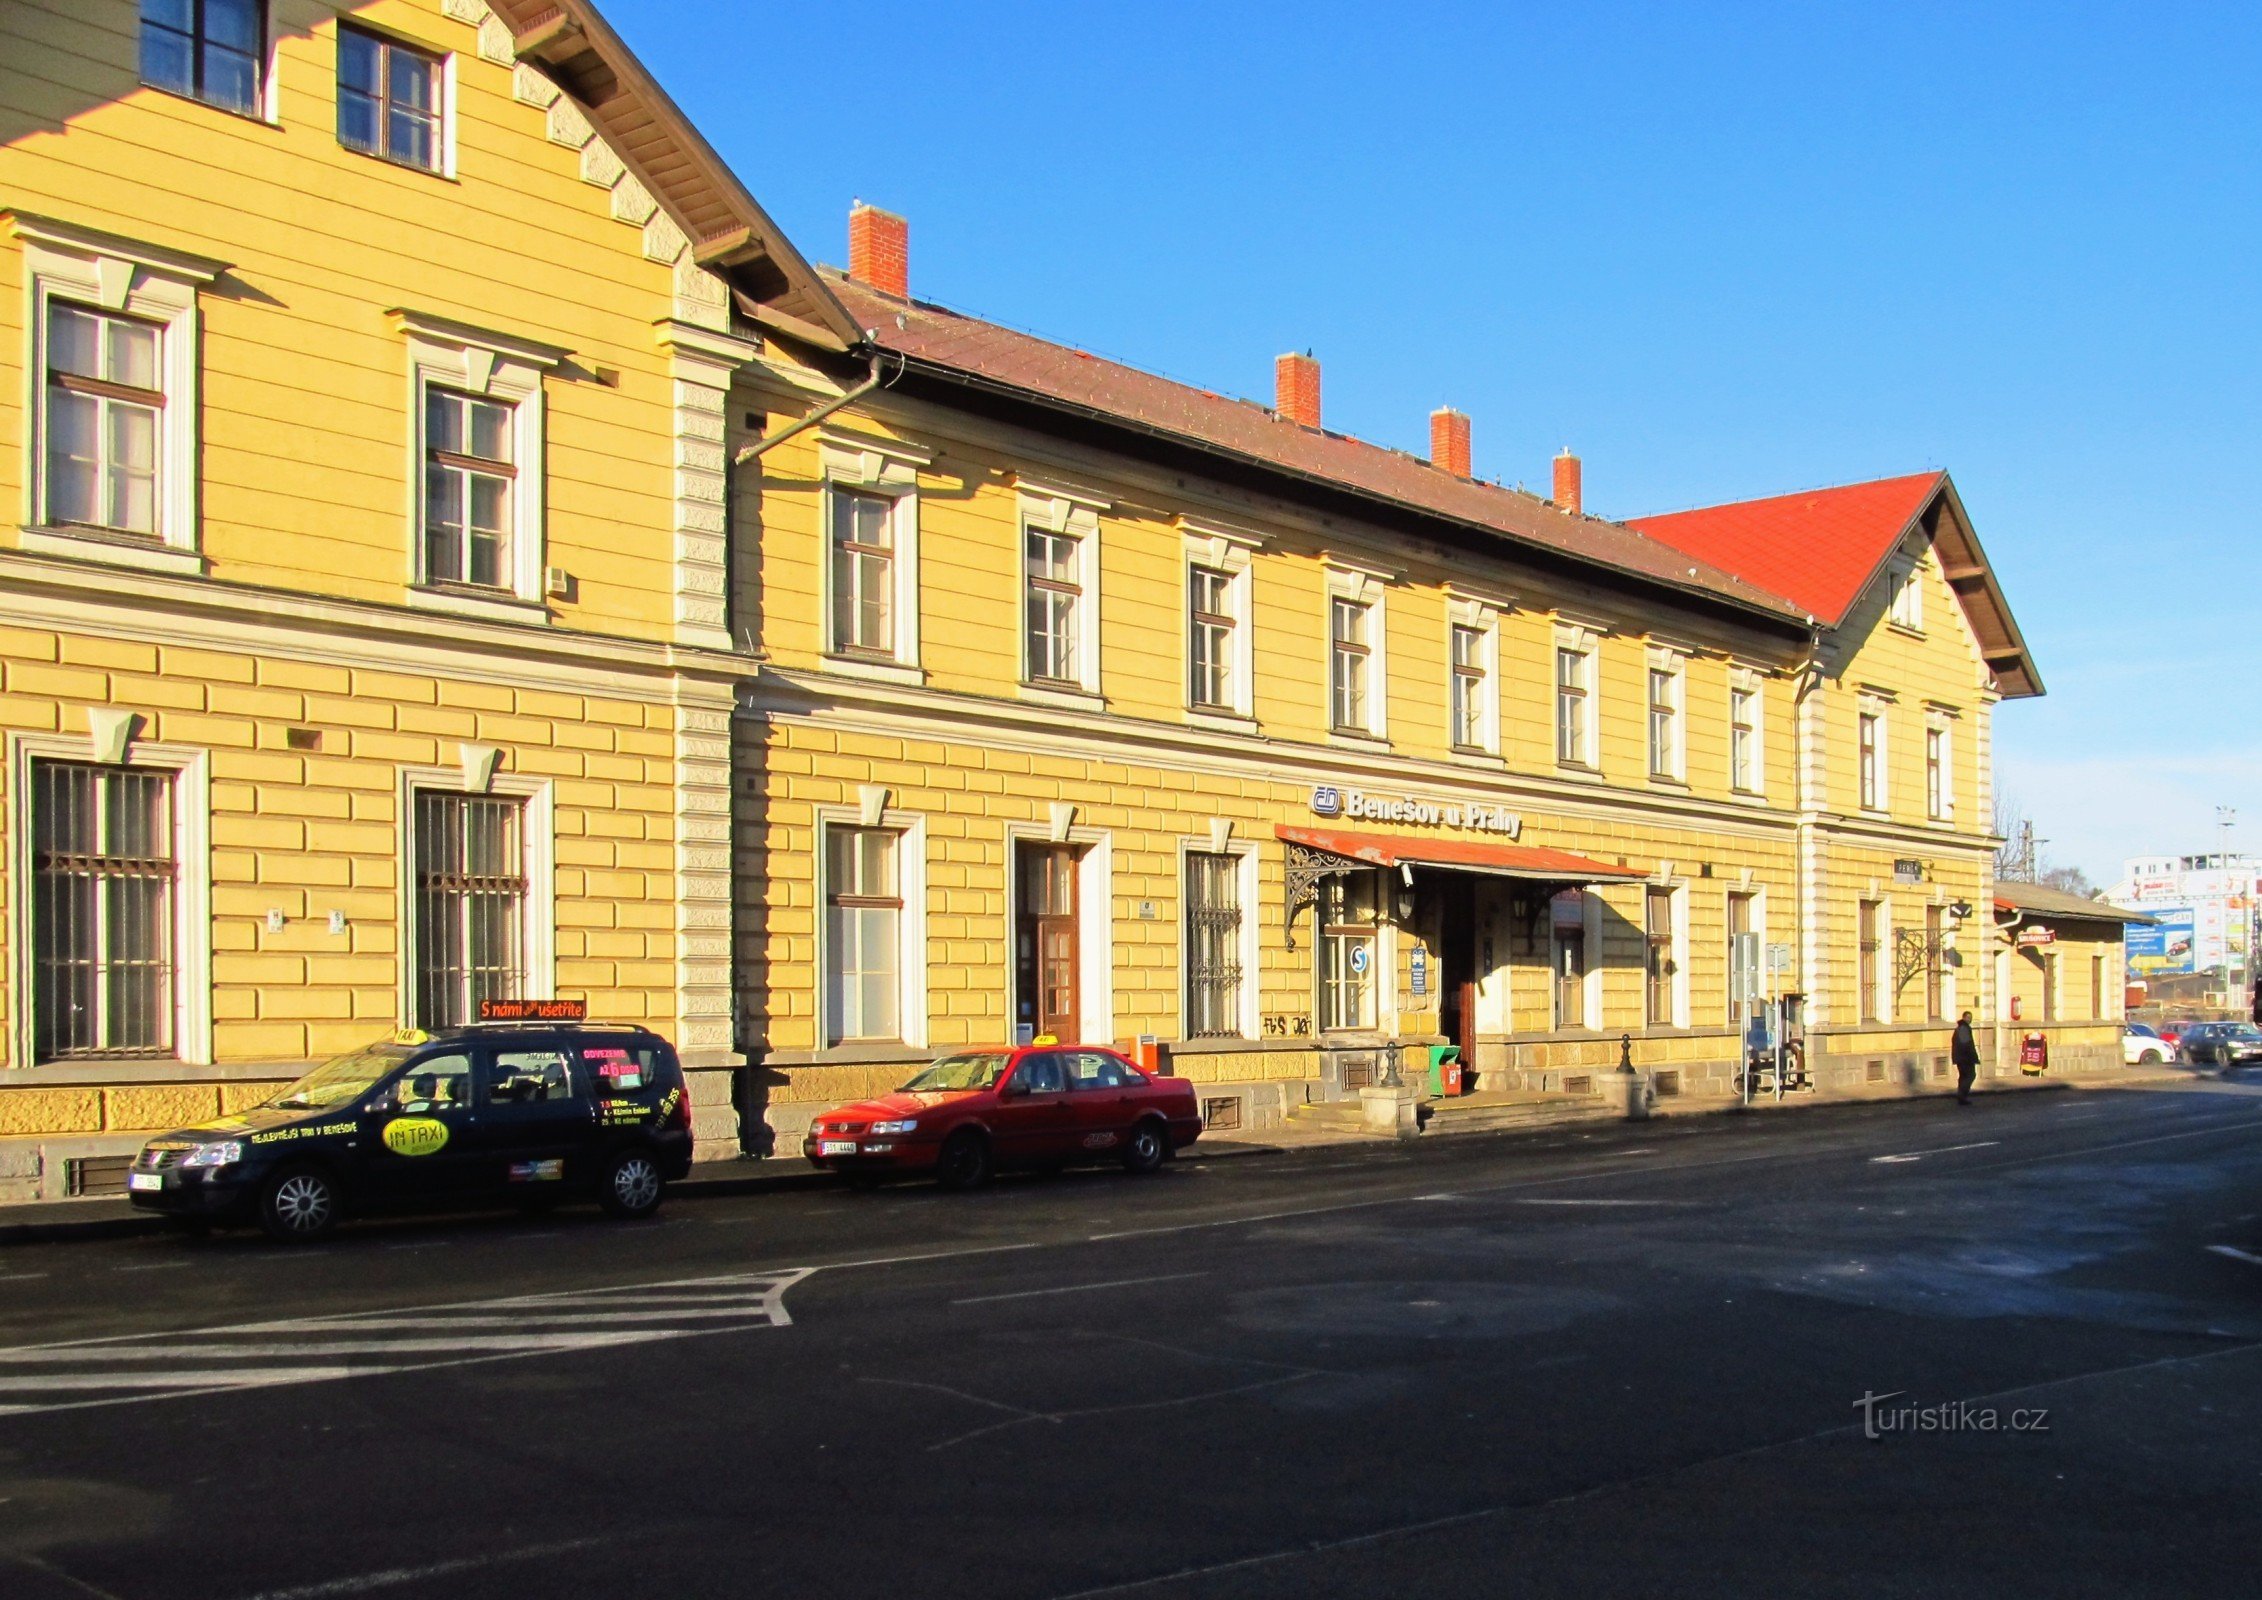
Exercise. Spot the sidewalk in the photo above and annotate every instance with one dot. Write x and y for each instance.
(115, 1217)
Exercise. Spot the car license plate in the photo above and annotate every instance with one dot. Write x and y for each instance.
(145, 1180)
(836, 1147)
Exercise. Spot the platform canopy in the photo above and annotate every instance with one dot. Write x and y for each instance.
(1528, 862)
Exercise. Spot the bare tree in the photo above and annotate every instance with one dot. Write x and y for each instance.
(2019, 858)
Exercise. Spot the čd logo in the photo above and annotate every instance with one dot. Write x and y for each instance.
(415, 1136)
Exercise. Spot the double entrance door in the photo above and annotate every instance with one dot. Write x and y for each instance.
(1047, 942)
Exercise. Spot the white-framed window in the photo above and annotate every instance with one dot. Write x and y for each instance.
(1350, 665)
(1871, 960)
(871, 560)
(1358, 681)
(1220, 643)
(113, 932)
(1668, 753)
(1940, 769)
(872, 939)
(1060, 592)
(1348, 950)
(114, 397)
(1574, 699)
(393, 99)
(1574, 975)
(1747, 751)
(478, 875)
(1220, 942)
(209, 50)
(1665, 964)
(1906, 608)
(1746, 925)
(1472, 664)
(477, 424)
(1869, 756)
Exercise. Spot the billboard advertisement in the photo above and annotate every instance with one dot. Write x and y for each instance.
(2168, 946)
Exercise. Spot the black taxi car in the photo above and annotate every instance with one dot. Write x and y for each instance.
(543, 1106)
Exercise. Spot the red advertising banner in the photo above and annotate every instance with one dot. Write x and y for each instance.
(533, 1011)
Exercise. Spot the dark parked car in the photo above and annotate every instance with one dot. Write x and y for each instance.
(491, 1113)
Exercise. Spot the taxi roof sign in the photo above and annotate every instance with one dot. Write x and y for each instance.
(533, 1011)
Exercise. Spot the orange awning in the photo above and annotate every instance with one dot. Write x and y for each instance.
(1497, 860)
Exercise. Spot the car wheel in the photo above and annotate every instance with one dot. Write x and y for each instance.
(965, 1161)
(631, 1185)
(299, 1204)
(2151, 1058)
(1147, 1147)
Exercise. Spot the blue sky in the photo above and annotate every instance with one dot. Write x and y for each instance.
(1721, 251)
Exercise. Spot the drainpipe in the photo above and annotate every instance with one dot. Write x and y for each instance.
(872, 381)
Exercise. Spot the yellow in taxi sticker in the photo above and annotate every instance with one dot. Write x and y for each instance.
(415, 1136)
(411, 1036)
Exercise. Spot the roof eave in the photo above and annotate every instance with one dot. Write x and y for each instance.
(572, 44)
(1780, 616)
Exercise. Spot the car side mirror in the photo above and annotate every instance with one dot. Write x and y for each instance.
(1015, 1088)
(381, 1103)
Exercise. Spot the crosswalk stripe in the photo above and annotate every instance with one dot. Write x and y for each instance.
(127, 1368)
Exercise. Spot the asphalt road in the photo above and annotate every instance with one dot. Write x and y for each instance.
(1624, 1361)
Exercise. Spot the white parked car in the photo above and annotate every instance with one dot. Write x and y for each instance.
(2140, 1046)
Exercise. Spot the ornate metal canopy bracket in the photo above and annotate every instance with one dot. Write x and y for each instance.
(1306, 867)
(1915, 951)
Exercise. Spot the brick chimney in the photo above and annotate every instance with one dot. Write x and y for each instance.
(1567, 487)
(1449, 441)
(1295, 383)
(879, 250)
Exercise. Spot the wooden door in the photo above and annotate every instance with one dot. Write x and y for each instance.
(1045, 941)
(1457, 965)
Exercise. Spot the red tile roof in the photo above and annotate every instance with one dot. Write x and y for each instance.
(1064, 375)
(1819, 548)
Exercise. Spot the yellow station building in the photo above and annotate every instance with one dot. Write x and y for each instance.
(462, 548)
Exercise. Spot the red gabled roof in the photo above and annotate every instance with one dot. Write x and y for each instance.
(1819, 548)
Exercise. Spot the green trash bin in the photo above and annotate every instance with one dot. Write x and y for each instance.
(1442, 1082)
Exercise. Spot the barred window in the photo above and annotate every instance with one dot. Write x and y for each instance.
(1868, 931)
(389, 99)
(863, 538)
(471, 893)
(863, 935)
(1213, 946)
(210, 50)
(104, 873)
(468, 482)
(105, 414)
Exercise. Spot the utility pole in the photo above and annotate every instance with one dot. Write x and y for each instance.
(2235, 963)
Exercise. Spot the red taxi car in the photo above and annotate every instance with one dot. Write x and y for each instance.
(1045, 1105)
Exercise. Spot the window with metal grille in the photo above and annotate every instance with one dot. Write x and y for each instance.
(1871, 919)
(104, 868)
(105, 416)
(863, 537)
(469, 479)
(209, 50)
(389, 99)
(863, 935)
(1349, 656)
(1213, 946)
(471, 890)
(1210, 622)
(1935, 928)
(1055, 596)
(1469, 721)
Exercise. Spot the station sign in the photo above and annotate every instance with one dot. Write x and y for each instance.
(1356, 805)
(2034, 938)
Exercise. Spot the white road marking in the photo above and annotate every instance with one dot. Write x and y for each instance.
(393, 1577)
(1937, 1150)
(127, 1368)
(1535, 1201)
(2235, 1253)
(1075, 1288)
(20, 1277)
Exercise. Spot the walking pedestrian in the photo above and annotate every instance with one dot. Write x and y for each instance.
(1966, 1053)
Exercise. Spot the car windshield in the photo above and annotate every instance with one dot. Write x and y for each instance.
(341, 1078)
(977, 1070)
